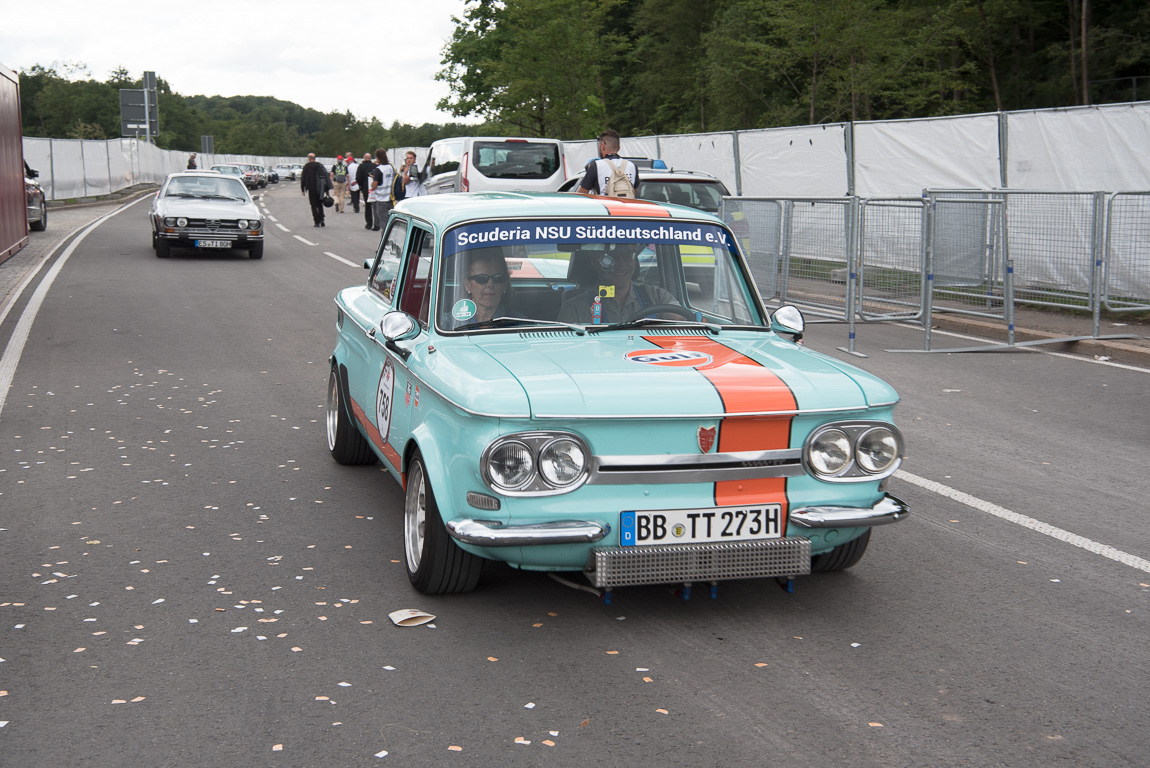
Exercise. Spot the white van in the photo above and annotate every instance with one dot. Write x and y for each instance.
(495, 163)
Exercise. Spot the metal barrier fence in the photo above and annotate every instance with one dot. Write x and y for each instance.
(1126, 276)
(973, 252)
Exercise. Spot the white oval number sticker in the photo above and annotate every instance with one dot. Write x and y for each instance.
(384, 399)
(672, 358)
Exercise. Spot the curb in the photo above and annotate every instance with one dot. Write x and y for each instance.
(1119, 350)
(88, 202)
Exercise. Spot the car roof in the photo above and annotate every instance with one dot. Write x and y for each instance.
(446, 210)
(193, 174)
(676, 175)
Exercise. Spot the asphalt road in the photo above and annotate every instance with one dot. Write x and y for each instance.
(188, 579)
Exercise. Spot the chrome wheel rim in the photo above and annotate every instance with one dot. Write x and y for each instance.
(332, 409)
(414, 517)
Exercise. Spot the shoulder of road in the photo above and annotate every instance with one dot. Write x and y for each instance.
(1031, 324)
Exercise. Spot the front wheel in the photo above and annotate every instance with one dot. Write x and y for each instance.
(42, 224)
(346, 443)
(436, 565)
(163, 248)
(841, 557)
(257, 250)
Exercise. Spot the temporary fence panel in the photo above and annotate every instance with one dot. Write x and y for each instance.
(758, 226)
(712, 153)
(818, 240)
(965, 262)
(1100, 147)
(1127, 262)
(890, 274)
(899, 158)
(808, 161)
(1053, 242)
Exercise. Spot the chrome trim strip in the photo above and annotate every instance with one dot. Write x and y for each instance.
(889, 509)
(695, 468)
(484, 533)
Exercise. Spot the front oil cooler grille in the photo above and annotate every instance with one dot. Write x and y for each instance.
(339, 319)
(677, 563)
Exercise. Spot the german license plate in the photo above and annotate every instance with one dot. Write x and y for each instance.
(700, 526)
(213, 243)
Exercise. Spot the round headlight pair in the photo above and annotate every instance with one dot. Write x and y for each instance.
(536, 463)
(835, 452)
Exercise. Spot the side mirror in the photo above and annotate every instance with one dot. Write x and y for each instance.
(398, 326)
(788, 319)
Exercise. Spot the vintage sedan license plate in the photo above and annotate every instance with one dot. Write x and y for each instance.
(213, 243)
(700, 526)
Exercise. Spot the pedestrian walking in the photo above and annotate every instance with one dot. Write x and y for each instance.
(339, 182)
(315, 182)
(352, 183)
(192, 162)
(380, 197)
(363, 179)
(610, 175)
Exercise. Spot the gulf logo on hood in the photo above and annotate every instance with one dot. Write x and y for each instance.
(669, 358)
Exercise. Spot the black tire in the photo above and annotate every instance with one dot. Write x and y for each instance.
(436, 565)
(42, 224)
(163, 248)
(841, 557)
(346, 443)
(154, 239)
(257, 250)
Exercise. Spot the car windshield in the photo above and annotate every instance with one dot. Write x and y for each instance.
(513, 274)
(703, 195)
(223, 187)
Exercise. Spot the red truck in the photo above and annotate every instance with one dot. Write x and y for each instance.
(21, 198)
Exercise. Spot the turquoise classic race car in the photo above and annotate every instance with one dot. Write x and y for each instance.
(569, 383)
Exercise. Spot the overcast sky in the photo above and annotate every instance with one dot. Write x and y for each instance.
(376, 58)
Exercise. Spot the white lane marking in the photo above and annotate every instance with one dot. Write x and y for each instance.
(281, 226)
(305, 242)
(1064, 355)
(340, 258)
(1026, 522)
(15, 348)
(270, 217)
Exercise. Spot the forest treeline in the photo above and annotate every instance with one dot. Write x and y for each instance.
(567, 68)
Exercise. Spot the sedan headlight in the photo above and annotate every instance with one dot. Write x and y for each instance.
(242, 223)
(169, 221)
(536, 463)
(181, 222)
(853, 451)
(510, 466)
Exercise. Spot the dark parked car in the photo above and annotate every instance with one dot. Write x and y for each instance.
(34, 197)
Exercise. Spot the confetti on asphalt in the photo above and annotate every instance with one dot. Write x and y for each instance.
(875, 725)
(454, 748)
(381, 753)
(521, 740)
(662, 711)
(529, 705)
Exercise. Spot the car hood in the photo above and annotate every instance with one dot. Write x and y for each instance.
(644, 374)
(207, 209)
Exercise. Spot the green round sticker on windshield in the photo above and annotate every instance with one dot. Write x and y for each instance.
(464, 309)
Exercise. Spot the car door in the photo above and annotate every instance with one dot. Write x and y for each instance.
(370, 356)
(398, 385)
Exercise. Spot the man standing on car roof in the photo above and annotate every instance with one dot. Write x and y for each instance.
(314, 182)
(363, 178)
(599, 171)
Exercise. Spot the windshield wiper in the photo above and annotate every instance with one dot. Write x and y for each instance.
(508, 322)
(712, 328)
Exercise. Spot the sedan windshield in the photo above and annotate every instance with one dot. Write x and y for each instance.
(223, 187)
(511, 274)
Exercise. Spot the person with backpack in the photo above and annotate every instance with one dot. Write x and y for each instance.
(610, 175)
(339, 182)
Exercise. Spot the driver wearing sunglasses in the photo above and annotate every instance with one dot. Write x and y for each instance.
(486, 284)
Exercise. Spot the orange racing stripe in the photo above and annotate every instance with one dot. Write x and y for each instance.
(625, 206)
(373, 434)
(744, 386)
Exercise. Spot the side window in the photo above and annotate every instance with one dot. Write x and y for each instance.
(445, 157)
(388, 259)
(416, 297)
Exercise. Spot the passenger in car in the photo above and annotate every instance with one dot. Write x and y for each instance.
(620, 294)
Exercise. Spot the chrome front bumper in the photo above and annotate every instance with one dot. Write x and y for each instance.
(889, 509)
(484, 533)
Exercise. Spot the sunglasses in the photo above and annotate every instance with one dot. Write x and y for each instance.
(482, 279)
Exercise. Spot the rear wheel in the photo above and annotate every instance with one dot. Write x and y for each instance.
(841, 557)
(346, 443)
(436, 565)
